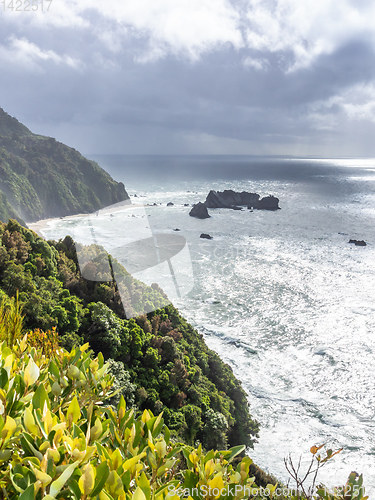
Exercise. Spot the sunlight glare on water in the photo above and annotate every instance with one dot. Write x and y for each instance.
(284, 298)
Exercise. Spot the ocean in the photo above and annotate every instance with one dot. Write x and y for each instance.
(281, 296)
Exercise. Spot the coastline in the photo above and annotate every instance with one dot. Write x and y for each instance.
(41, 224)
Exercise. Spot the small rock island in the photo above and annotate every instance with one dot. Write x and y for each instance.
(234, 201)
(199, 211)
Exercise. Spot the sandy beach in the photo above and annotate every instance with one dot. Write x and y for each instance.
(41, 224)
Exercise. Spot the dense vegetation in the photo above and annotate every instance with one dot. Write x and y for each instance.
(60, 439)
(7, 211)
(42, 178)
(161, 363)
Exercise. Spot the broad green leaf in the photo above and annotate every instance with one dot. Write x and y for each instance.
(191, 480)
(210, 455)
(165, 488)
(144, 484)
(5, 455)
(56, 389)
(53, 369)
(100, 360)
(114, 484)
(3, 378)
(167, 434)
(73, 372)
(9, 428)
(158, 425)
(29, 422)
(161, 448)
(102, 473)
(87, 480)
(96, 430)
(28, 494)
(74, 411)
(41, 476)
(128, 464)
(57, 485)
(116, 459)
(74, 488)
(138, 494)
(233, 452)
(40, 397)
(217, 483)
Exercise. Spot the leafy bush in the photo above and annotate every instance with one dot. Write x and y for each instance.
(57, 440)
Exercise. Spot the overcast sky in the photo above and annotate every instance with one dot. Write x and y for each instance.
(194, 76)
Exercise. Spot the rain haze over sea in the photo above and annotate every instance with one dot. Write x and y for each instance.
(282, 296)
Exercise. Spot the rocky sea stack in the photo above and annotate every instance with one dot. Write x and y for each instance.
(234, 200)
(199, 211)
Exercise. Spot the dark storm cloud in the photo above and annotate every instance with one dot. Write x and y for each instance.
(95, 87)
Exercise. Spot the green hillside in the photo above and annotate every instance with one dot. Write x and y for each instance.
(42, 177)
(7, 211)
(160, 362)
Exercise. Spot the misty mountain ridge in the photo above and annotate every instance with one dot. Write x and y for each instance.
(41, 177)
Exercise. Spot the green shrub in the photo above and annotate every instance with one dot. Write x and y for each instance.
(57, 440)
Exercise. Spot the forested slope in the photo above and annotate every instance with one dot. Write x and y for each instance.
(43, 178)
(160, 361)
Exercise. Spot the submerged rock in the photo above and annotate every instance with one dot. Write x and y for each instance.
(199, 211)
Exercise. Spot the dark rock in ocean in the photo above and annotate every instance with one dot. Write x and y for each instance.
(359, 243)
(186, 204)
(206, 236)
(233, 200)
(230, 199)
(176, 229)
(268, 203)
(199, 211)
(170, 204)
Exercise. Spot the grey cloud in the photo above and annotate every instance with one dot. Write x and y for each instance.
(156, 105)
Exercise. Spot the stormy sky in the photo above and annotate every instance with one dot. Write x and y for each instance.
(289, 77)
